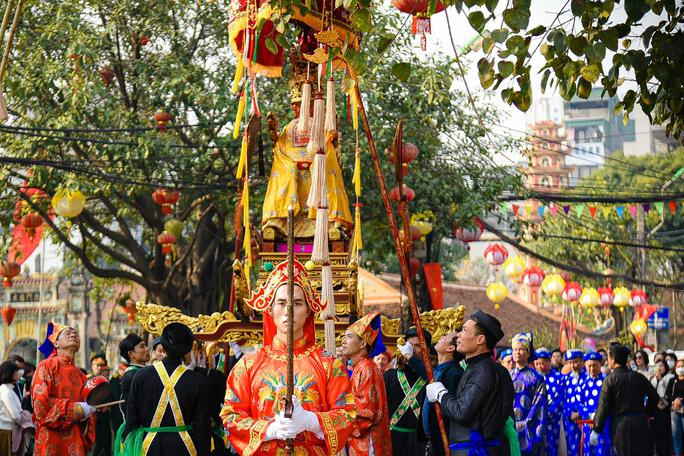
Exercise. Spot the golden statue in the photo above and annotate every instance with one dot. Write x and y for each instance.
(290, 177)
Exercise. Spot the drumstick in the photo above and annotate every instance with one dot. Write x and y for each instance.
(109, 404)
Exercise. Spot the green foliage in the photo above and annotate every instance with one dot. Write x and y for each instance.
(574, 51)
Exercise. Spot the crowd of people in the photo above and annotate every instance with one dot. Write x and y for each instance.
(362, 400)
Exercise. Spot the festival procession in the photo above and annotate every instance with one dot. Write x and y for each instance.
(342, 227)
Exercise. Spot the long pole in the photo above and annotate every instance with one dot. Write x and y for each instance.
(40, 292)
(290, 322)
(403, 263)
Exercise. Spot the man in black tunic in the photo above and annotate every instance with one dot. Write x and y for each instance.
(622, 399)
(483, 402)
(134, 350)
(168, 411)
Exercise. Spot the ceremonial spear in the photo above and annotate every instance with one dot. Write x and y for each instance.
(290, 322)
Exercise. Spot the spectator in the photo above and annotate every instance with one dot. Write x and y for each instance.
(103, 418)
(605, 367)
(557, 359)
(21, 364)
(641, 360)
(675, 393)
(10, 405)
(662, 426)
(382, 361)
(158, 350)
(671, 360)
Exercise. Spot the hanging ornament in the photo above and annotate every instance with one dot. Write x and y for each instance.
(590, 298)
(131, 311)
(572, 292)
(68, 204)
(9, 270)
(467, 234)
(497, 292)
(407, 191)
(605, 296)
(174, 226)
(553, 285)
(621, 298)
(495, 254)
(409, 152)
(533, 276)
(8, 314)
(166, 240)
(514, 267)
(420, 10)
(162, 118)
(166, 199)
(638, 327)
(638, 297)
(31, 222)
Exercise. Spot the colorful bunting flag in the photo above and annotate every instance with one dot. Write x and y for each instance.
(580, 210)
(632, 210)
(554, 210)
(647, 207)
(606, 211)
(566, 209)
(673, 207)
(528, 209)
(592, 211)
(619, 210)
(515, 208)
(660, 206)
(541, 209)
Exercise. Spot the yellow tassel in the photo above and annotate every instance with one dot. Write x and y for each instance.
(354, 109)
(243, 158)
(238, 116)
(247, 242)
(358, 239)
(356, 178)
(238, 75)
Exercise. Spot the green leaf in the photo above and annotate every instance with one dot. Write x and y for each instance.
(271, 46)
(477, 20)
(491, 5)
(607, 8)
(583, 88)
(402, 71)
(566, 89)
(560, 42)
(516, 19)
(487, 44)
(522, 99)
(626, 43)
(499, 35)
(591, 72)
(516, 44)
(505, 68)
(609, 37)
(595, 53)
(636, 9)
(384, 42)
(577, 44)
(545, 79)
(578, 7)
(486, 72)
(538, 30)
(361, 20)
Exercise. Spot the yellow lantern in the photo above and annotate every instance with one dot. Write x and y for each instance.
(497, 292)
(514, 267)
(553, 285)
(638, 327)
(589, 298)
(621, 296)
(68, 204)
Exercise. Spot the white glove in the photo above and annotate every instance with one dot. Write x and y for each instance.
(272, 431)
(302, 420)
(87, 409)
(593, 438)
(235, 348)
(193, 363)
(406, 350)
(434, 391)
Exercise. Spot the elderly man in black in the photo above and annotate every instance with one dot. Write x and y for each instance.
(622, 400)
(483, 402)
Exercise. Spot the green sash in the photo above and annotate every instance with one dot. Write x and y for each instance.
(512, 436)
(118, 443)
(410, 394)
(134, 442)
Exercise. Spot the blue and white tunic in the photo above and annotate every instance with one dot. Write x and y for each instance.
(570, 384)
(554, 411)
(529, 409)
(588, 397)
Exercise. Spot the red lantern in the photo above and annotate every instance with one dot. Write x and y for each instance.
(166, 240)
(420, 10)
(166, 199)
(8, 313)
(638, 297)
(31, 221)
(468, 234)
(572, 292)
(162, 118)
(408, 193)
(409, 152)
(606, 296)
(495, 254)
(9, 270)
(533, 276)
(131, 311)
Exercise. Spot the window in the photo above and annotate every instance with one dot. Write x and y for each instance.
(38, 264)
(546, 181)
(545, 162)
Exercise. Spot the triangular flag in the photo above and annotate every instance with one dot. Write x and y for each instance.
(528, 209)
(660, 206)
(554, 210)
(515, 208)
(503, 207)
(580, 210)
(673, 207)
(620, 210)
(647, 207)
(606, 211)
(632, 210)
(566, 209)
(592, 211)
(541, 209)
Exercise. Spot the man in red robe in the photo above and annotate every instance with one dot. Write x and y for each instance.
(371, 431)
(253, 411)
(65, 423)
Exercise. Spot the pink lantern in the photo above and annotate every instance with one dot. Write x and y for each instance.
(572, 292)
(469, 234)
(638, 297)
(605, 296)
(495, 254)
(533, 276)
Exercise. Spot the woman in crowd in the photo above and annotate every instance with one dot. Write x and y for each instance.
(10, 406)
(675, 393)
(671, 360)
(641, 360)
(662, 427)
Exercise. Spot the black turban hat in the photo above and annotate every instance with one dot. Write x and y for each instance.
(127, 344)
(177, 339)
(490, 326)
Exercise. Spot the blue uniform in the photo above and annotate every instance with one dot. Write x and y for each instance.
(554, 411)
(570, 384)
(529, 409)
(588, 395)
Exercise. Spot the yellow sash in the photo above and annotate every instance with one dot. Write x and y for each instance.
(169, 397)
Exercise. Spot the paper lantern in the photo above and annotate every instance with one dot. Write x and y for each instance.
(572, 292)
(8, 313)
(166, 240)
(553, 285)
(174, 226)
(468, 234)
(638, 327)
(407, 191)
(409, 153)
(30, 222)
(68, 204)
(638, 297)
(533, 276)
(605, 296)
(495, 254)
(621, 297)
(423, 226)
(590, 298)
(514, 267)
(9, 270)
(497, 292)
(166, 199)
(420, 10)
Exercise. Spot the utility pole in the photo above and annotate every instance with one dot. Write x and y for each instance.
(641, 239)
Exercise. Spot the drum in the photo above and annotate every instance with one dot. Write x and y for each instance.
(96, 390)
